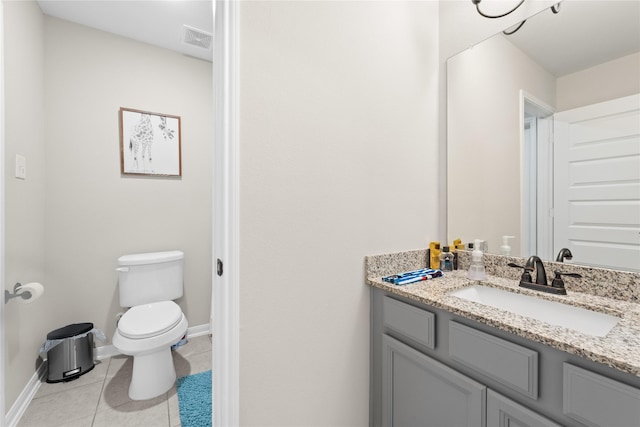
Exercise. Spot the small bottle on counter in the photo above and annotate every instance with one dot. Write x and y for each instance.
(456, 255)
(454, 251)
(446, 259)
(434, 255)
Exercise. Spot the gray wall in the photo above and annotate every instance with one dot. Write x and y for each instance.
(338, 160)
(24, 325)
(75, 214)
(603, 82)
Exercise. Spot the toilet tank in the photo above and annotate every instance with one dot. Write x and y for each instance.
(150, 277)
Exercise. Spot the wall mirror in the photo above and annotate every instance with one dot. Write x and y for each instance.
(507, 97)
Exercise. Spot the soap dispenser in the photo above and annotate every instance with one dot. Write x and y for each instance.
(505, 249)
(476, 269)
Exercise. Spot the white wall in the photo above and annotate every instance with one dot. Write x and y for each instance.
(338, 160)
(483, 113)
(75, 214)
(25, 325)
(610, 80)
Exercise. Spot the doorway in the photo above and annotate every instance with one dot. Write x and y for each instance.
(537, 177)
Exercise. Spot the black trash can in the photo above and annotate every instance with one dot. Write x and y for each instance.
(73, 356)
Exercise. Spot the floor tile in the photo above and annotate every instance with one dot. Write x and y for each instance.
(97, 374)
(134, 413)
(116, 384)
(174, 407)
(195, 345)
(120, 365)
(100, 398)
(59, 408)
(82, 422)
(196, 363)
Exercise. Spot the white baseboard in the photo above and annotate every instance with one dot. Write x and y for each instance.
(103, 352)
(198, 331)
(22, 402)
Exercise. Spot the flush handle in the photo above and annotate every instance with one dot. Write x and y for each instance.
(122, 269)
(220, 267)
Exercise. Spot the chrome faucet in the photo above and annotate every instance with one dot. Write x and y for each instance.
(564, 253)
(541, 275)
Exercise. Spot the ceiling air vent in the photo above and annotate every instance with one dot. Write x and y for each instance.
(196, 37)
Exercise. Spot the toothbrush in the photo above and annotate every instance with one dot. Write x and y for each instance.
(413, 276)
(420, 278)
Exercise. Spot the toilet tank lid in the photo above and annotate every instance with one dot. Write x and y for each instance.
(150, 258)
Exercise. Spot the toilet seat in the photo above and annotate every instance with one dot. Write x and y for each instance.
(148, 320)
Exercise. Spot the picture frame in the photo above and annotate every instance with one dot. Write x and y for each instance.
(150, 143)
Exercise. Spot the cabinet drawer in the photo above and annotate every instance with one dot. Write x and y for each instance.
(409, 321)
(596, 400)
(509, 364)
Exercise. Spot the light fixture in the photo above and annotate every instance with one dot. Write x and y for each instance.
(555, 9)
(508, 33)
(477, 3)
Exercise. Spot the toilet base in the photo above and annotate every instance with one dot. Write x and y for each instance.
(153, 370)
(153, 374)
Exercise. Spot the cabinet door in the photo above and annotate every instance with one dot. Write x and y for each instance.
(419, 391)
(596, 400)
(503, 412)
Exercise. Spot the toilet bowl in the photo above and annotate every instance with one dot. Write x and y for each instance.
(147, 333)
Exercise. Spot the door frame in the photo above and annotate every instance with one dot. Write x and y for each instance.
(2, 213)
(225, 306)
(543, 230)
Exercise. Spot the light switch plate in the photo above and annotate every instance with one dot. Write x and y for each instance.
(21, 167)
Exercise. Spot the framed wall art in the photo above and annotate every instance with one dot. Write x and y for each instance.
(149, 143)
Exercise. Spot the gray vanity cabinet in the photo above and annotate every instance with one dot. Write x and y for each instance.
(504, 412)
(430, 367)
(419, 391)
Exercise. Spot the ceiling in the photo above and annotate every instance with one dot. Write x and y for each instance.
(157, 22)
(581, 35)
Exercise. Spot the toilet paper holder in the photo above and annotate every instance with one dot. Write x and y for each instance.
(18, 291)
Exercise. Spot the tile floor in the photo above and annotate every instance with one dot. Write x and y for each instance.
(100, 397)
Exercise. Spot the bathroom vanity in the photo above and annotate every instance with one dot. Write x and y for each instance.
(441, 360)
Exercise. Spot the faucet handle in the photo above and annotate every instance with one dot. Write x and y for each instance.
(526, 276)
(558, 282)
(513, 264)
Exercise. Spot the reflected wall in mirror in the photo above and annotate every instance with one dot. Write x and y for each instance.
(504, 98)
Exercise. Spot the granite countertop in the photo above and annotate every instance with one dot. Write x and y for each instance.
(619, 349)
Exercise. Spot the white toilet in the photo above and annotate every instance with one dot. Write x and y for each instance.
(148, 283)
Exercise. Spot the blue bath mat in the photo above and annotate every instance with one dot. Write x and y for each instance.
(194, 397)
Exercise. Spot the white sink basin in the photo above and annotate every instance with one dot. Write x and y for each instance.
(579, 319)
